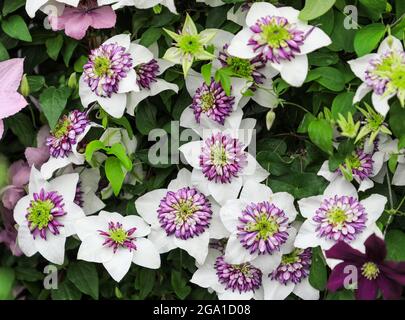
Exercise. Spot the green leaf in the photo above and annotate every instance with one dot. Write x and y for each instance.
(119, 151)
(329, 77)
(36, 83)
(7, 277)
(53, 46)
(21, 125)
(321, 133)
(145, 117)
(84, 276)
(3, 53)
(318, 273)
(53, 101)
(145, 281)
(92, 147)
(115, 174)
(69, 48)
(179, 285)
(206, 73)
(315, 8)
(374, 7)
(395, 242)
(12, 5)
(368, 37)
(343, 104)
(66, 291)
(16, 28)
(397, 119)
(150, 36)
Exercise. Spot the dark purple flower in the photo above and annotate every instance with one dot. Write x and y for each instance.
(147, 73)
(374, 272)
(361, 164)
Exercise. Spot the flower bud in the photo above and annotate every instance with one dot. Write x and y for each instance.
(72, 82)
(270, 117)
(25, 87)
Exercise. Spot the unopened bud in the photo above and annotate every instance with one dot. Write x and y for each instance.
(25, 86)
(270, 117)
(157, 9)
(72, 82)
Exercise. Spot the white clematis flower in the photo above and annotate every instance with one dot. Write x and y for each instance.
(281, 38)
(116, 242)
(260, 228)
(382, 74)
(46, 216)
(109, 75)
(32, 6)
(221, 163)
(148, 67)
(145, 4)
(181, 217)
(339, 215)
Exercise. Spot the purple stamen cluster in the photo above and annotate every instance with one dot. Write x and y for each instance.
(43, 213)
(147, 73)
(65, 134)
(222, 158)
(294, 267)
(185, 213)
(276, 39)
(262, 228)
(242, 277)
(213, 102)
(106, 67)
(340, 218)
(117, 237)
(361, 164)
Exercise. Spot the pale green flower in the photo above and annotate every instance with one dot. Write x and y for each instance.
(190, 45)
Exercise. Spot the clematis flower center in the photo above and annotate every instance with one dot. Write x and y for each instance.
(222, 158)
(386, 74)
(294, 267)
(243, 278)
(185, 213)
(370, 271)
(361, 164)
(213, 102)
(190, 44)
(106, 67)
(147, 73)
(262, 228)
(276, 39)
(340, 218)
(241, 67)
(117, 237)
(43, 213)
(65, 135)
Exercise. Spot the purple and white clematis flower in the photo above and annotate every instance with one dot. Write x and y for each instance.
(229, 281)
(382, 74)
(109, 75)
(76, 20)
(46, 216)
(339, 215)
(11, 102)
(116, 242)
(212, 108)
(181, 216)
(148, 69)
(291, 276)
(221, 164)
(65, 142)
(281, 38)
(260, 228)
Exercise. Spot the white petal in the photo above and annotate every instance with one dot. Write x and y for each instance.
(123, 40)
(37, 181)
(120, 263)
(390, 43)
(92, 203)
(360, 65)
(224, 192)
(148, 204)
(114, 106)
(306, 237)
(255, 192)
(305, 291)
(374, 206)
(316, 39)
(340, 187)
(146, 254)
(399, 176)
(380, 103)
(65, 185)
(239, 45)
(161, 240)
(140, 54)
(326, 173)
(361, 92)
(53, 248)
(295, 72)
(25, 240)
(309, 205)
(290, 13)
(365, 184)
(89, 226)
(93, 250)
(142, 228)
(267, 262)
(129, 83)
(235, 253)
(285, 201)
(230, 213)
(134, 98)
(191, 152)
(265, 96)
(194, 81)
(73, 214)
(217, 229)
(235, 295)
(259, 10)
(274, 290)
(254, 171)
(164, 65)
(32, 6)
(197, 247)
(205, 276)
(20, 209)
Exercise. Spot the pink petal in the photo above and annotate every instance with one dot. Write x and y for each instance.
(103, 18)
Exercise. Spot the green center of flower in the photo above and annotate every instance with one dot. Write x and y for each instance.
(185, 210)
(118, 235)
(370, 270)
(102, 66)
(189, 43)
(207, 101)
(240, 67)
(398, 77)
(265, 227)
(275, 35)
(336, 216)
(354, 161)
(62, 128)
(292, 257)
(218, 155)
(39, 213)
